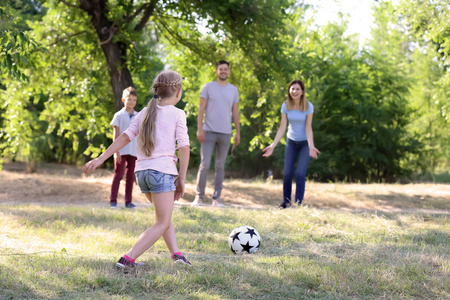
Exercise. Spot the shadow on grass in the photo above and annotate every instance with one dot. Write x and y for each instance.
(331, 270)
(203, 225)
(57, 276)
(54, 169)
(429, 237)
(241, 193)
(131, 222)
(403, 200)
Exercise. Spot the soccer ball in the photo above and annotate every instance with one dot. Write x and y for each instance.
(244, 239)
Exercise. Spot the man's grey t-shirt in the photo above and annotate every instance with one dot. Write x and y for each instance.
(219, 105)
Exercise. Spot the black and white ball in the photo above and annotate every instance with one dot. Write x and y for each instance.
(244, 239)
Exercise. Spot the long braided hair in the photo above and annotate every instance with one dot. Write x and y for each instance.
(165, 85)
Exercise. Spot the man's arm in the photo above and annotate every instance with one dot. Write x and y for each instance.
(236, 121)
(201, 114)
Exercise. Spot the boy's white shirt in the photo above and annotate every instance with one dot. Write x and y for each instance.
(122, 120)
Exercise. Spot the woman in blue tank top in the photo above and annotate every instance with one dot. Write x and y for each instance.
(298, 111)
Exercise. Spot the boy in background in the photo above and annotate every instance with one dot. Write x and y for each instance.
(124, 159)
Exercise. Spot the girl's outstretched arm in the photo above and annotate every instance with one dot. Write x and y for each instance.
(118, 144)
(183, 154)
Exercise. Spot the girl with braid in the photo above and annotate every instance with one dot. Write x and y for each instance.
(161, 128)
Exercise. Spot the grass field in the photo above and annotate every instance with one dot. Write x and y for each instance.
(348, 242)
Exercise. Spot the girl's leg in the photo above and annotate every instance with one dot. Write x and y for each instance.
(171, 242)
(170, 239)
(163, 204)
(300, 174)
(290, 156)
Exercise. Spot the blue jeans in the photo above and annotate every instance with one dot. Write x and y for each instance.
(291, 152)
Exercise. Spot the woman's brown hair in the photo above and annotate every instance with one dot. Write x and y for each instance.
(304, 106)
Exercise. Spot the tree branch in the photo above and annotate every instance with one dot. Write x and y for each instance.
(148, 12)
(180, 39)
(70, 5)
(111, 35)
(129, 19)
(66, 38)
(112, 31)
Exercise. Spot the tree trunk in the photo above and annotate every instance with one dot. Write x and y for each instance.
(115, 52)
(31, 167)
(118, 72)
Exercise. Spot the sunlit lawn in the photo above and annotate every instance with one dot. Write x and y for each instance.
(69, 253)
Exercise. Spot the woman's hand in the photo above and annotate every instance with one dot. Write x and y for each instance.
(90, 166)
(313, 151)
(268, 151)
(179, 192)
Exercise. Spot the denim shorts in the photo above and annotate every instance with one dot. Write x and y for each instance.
(151, 181)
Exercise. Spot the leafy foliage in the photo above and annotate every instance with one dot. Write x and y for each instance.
(360, 103)
(16, 46)
(415, 37)
(428, 24)
(380, 113)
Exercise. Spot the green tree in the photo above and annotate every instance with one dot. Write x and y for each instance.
(427, 25)
(415, 36)
(16, 46)
(361, 112)
(15, 51)
(117, 25)
(97, 48)
(361, 98)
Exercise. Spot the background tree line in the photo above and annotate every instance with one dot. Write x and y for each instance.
(381, 111)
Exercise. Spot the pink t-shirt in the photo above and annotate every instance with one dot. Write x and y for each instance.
(170, 128)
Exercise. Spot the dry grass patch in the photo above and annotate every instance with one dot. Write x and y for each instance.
(56, 184)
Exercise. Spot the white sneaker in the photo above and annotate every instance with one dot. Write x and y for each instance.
(197, 202)
(217, 203)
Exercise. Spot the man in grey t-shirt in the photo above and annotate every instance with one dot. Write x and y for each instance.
(219, 102)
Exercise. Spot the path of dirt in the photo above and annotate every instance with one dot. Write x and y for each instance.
(57, 184)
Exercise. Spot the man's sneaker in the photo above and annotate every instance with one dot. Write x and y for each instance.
(113, 205)
(130, 205)
(123, 263)
(217, 203)
(197, 202)
(285, 205)
(180, 259)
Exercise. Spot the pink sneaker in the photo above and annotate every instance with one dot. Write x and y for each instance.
(180, 259)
